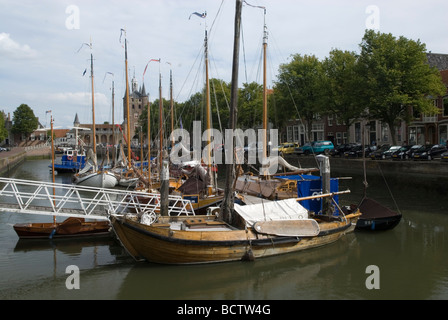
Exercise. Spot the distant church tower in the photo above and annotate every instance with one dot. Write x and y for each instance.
(76, 121)
(138, 99)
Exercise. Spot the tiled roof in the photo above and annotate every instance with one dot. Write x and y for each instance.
(438, 60)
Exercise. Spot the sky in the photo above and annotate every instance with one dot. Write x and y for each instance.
(43, 54)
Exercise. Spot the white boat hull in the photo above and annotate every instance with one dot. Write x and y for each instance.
(98, 179)
(125, 182)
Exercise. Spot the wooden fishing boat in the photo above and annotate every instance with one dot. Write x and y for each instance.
(208, 239)
(376, 217)
(70, 228)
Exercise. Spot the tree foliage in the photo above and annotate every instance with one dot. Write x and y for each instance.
(3, 131)
(24, 120)
(300, 89)
(343, 90)
(396, 79)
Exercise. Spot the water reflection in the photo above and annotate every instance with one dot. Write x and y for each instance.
(411, 259)
(283, 277)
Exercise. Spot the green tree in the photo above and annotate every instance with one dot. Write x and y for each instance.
(300, 90)
(3, 131)
(396, 79)
(250, 109)
(24, 120)
(343, 90)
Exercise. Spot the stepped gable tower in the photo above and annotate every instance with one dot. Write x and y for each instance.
(138, 99)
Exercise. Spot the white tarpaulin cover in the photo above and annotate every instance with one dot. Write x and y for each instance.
(288, 209)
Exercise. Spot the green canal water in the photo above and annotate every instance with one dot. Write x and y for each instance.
(410, 261)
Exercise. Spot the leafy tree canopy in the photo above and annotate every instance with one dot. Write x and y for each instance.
(24, 120)
(396, 78)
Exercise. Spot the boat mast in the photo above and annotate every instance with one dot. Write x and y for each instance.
(52, 165)
(93, 103)
(149, 145)
(228, 202)
(114, 154)
(265, 103)
(208, 115)
(127, 99)
(160, 124)
(172, 108)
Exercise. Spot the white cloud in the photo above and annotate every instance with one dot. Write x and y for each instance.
(13, 50)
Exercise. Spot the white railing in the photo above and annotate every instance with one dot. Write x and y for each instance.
(44, 198)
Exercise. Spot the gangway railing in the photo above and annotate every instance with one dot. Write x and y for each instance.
(46, 198)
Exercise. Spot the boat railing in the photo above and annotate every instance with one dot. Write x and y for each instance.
(46, 198)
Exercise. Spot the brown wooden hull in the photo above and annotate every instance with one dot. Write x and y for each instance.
(70, 228)
(159, 243)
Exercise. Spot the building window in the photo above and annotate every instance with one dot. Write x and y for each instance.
(416, 135)
(289, 133)
(445, 107)
(358, 132)
(384, 132)
(338, 138)
(443, 133)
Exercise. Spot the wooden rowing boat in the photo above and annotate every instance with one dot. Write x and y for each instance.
(70, 228)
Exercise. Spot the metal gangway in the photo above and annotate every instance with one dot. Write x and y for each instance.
(66, 200)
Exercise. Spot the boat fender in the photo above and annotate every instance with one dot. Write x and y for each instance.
(248, 256)
(52, 233)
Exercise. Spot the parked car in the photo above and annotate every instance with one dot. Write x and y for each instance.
(405, 152)
(444, 156)
(388, 153)
(378, 154)
(340, 149)
(429, 152)
(357, 151)
(286, 148)
(2, 149)
(315, 147)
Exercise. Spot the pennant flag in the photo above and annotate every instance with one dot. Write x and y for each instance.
(121, 33)
(200, 15)
(49, 111)
(84, 72)
(157, 60)
(250, 5)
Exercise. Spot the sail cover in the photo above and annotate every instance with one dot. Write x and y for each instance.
(288, 209)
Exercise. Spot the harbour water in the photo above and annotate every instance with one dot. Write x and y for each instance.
(411, 260)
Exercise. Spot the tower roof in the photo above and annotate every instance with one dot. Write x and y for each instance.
(76, 121)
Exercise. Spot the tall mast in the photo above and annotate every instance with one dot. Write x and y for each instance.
(149, 145)
(128, 131)
(228, 202)
(265, 101)
(172, 107)
(208, 115)
(161, 122)
(113, 123)
(93, 103)
(149, 124)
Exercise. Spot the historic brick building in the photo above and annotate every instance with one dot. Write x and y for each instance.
(138, 99)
